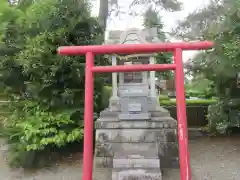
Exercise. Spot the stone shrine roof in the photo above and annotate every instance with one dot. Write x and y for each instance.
(133, 36)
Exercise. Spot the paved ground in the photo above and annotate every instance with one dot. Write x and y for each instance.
(211, 159)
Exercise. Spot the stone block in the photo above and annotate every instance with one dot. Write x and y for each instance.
(137, 174)
(126, 116)
(170, 163)
(165, 163)
(136, 135)
(128, 162)
(126, 103)
(133, 90)
(160, 113)
(104, 150)
(154, 123)
(114, 104)
(103, 162)
(123, 150)
(108, 113)
(169, 154)
(167, 149)
(153, 103)
(142, 162)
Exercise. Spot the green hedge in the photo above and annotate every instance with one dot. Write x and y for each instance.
(196, 115)
(163, 97)
(197, 110)
(192, 102)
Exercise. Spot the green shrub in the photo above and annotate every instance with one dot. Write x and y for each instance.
(217, 118)
(106, 94)
(163, 97)
(197, 102)
(33, 133)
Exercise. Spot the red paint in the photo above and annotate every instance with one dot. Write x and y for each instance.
(177, 48)
(88, 119)
(182, 117)
(133, 48)
(132, 68)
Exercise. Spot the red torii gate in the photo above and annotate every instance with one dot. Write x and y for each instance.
(176, 48)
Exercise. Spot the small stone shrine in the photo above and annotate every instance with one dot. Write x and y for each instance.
(135, 136)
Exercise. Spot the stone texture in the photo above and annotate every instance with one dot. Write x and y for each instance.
(137, 174)
(125, 116)
(169, 154)
(136, 135)
(139, 162)
(124, 149)
(103, 162)
(114, 104)
(154, 123)
(109, 114)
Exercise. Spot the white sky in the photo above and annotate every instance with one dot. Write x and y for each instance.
(169, 18)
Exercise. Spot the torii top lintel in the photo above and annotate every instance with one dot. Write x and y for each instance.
(134, 48)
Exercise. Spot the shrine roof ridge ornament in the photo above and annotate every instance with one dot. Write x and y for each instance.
(138, 36)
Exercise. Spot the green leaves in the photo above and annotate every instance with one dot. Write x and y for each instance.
(48, 88)
(35, 129)
(7, 15)
(151, 18)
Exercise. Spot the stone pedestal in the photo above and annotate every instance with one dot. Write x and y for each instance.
(136, 148)
(135, 137)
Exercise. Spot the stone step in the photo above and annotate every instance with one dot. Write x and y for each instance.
(142, 149)
(136, 174)
(123, 150)
(140, 162)
(136, 135)
(128, 162)
(108, 113)
(160, 114)
(154, 123)
(167, 152)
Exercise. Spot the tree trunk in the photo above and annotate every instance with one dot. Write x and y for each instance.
(103, 13)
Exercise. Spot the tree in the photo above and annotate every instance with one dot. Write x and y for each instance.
(8, 14)
(108, 7)
(221, 64)
(197, 25)
(153, 19)
(48, 88)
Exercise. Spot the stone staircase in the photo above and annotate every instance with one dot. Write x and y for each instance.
(136, 149)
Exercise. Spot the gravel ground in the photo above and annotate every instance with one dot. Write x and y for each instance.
(211, 159)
